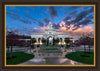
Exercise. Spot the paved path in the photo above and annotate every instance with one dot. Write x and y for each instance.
(50, 61)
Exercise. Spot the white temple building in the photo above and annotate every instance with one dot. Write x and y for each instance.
(49, 34)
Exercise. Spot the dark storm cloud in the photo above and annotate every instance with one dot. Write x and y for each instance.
(91, 10)
(46, 20)
(40, 23)
(66, 20)
(14, 18)
(63, 8)
(90, 17)
(73, 14)
(53, 12)
(80, 16)
(31, 17)
(36, 21)
(17, 17)
(74, 7)
(56, 26)
(85, 22)
(86, 7)
(67, 27)
(13, 14)
(76, 27)
(25, 21)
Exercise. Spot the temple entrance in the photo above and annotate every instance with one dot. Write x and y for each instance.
(39, 41)
(50, 40)
(60, 41)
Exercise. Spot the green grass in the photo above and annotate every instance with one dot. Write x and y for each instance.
(20, 57)
(52, 46)
(76, 56)
(49, 48)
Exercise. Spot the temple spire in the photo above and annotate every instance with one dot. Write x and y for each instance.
(50, 25)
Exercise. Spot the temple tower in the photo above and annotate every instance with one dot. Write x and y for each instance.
(50, 25)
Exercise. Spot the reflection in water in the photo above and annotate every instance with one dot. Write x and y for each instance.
(62, 60)
(54, 61)
(38, 60)
(51, 61)
(72, 62)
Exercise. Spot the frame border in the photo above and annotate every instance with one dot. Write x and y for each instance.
(94, 5)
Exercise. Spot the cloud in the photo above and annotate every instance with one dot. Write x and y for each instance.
(40, 23)
(26, 11)
(25, 21)
(85, 22)
(81, 19)
(46, 20)
(36, 21)
(56, 26)
(90, 17)
(28, 16)
(74, 7)
(77, 19)
(66, 18)
(83, 14)
(53, 12)
(85, 7)
(63, 8)
(17, 17)
(80, 16)
(76, 33)
(91, 10)
(14, 8)
(73, 14)
(13, 14)
(38, 30)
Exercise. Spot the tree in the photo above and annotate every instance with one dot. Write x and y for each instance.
(33, 41)
(11, 37)
(89, 42)
(77, 42)
(47, 41)
(83, 42)
(56, 41)
(44, 41)
(67, 40)
(86, 40)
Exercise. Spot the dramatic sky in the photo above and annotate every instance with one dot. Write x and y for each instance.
(74, 20)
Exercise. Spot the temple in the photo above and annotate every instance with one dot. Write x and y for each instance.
(49, 34)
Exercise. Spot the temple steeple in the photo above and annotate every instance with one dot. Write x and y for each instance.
(50, 25)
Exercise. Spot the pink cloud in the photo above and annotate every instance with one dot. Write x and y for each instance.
(64, 29)
(76, 33)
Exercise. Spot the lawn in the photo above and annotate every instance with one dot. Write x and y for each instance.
(19, 58)
(51, 46)
(76, 56)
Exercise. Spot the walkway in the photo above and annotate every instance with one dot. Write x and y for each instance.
(49, 58)
(50, 61)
